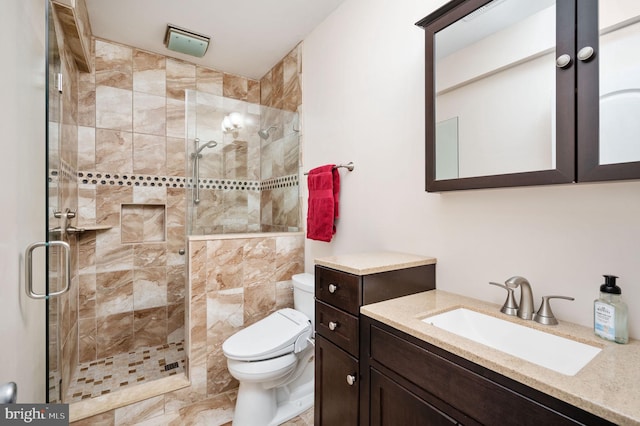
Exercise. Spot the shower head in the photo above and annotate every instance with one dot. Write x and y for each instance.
(210, 144)
(264, 133)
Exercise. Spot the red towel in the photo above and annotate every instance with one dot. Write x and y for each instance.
(324, 190)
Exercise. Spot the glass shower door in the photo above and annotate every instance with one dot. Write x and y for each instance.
(53, 255)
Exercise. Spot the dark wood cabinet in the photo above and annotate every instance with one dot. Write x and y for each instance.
(391, 404)
(413, 382)
(339, 296)
(587, 69)
(338, 404)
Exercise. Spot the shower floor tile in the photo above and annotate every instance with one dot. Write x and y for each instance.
(103, 376)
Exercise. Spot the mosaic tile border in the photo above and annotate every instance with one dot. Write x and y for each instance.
(130, 179)
(135, 179)
(66, 171)
(280, 182)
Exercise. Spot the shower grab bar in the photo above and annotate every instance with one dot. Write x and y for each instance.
(28, 272)
(349, 166)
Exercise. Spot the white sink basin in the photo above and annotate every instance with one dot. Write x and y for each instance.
(557, 353)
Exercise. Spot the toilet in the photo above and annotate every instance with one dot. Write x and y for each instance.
(273, 361)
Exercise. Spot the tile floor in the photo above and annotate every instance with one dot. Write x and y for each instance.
(107, 375)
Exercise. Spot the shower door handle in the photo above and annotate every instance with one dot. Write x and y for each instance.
(28, 273)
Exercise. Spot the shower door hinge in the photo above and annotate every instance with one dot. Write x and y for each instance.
(59, 82)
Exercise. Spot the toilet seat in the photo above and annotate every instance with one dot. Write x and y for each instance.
(261, 371)
(270, 337)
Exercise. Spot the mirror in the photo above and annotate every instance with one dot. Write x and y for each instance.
(619, 81)
(495, 75)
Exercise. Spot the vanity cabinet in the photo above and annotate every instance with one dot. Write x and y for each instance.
(412, 382)
(531, 93)
(341, 288)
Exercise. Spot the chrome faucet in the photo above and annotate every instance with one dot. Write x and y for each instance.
(525, 307)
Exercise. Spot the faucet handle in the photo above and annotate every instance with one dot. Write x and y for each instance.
(545, 314)
(510, 306)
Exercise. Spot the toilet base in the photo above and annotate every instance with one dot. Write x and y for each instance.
(257, 406)
(290, 409)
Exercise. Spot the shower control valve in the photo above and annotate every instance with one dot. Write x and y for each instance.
(67, 214)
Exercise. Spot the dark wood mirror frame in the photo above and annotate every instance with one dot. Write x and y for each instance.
(577, 101)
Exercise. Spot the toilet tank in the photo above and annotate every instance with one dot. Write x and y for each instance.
(303, 295)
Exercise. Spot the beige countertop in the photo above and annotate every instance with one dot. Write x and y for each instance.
(608, 386)
(373, 262)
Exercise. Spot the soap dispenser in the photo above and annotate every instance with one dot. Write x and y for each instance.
(610, 312)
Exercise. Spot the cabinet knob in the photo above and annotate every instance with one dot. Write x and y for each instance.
(332, 288)
(332, 325)
(563, 61)
(585, 53)
(351, 379)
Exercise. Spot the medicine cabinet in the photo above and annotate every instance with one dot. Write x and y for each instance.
(531, 92)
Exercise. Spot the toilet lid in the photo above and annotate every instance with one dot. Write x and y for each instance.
(272, 336)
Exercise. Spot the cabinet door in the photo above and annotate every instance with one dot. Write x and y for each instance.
(608, 89)
(500, 94)
(336, 400)
(391, 404)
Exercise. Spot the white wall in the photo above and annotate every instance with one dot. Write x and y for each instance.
(23, 179)
(363, 88)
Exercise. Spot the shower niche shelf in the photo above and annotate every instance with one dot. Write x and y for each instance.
(80, 230)
(143, 223)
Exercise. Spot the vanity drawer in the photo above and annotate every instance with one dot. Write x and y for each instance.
(473, 395)
(338, 327)
(339, 289)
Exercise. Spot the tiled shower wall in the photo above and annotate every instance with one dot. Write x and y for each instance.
(131, 162)
(280, 89)
(246, 184)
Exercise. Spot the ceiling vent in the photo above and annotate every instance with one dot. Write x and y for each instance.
(185, 41)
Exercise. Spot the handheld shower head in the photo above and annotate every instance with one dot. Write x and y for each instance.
(264, 133)
(210, 144)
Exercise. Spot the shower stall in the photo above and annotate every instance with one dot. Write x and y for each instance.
(123, 322)
(133, 187)
(242, 166)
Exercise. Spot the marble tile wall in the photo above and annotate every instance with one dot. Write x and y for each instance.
(234, 282)
(235, 174)
(281, 155)
(131, 152)
(131, 157)
(281, 87)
